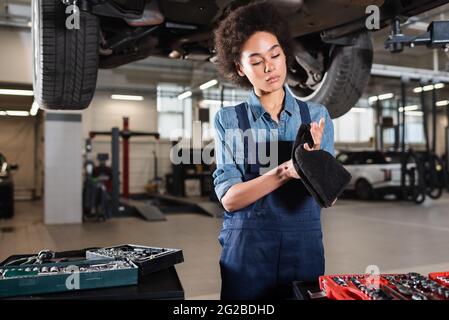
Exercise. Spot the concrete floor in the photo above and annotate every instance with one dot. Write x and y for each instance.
(395, 236)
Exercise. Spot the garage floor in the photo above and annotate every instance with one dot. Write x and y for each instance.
(395, 236)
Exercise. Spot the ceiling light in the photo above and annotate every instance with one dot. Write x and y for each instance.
(359, 110)
(16, 113)
(442, 103)
(215, 102)
(372, 99)
(429, 87)
(208, 84)
(409, 108)
(14, 92)
(2, 113)
(184, 95)
(380, 97)
(386, 96)
(126, 97)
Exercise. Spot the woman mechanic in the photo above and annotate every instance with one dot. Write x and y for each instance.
(271, 232)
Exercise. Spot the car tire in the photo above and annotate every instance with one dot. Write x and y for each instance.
(345, 79)
(65, 60)
(7, 202)
(364, 190)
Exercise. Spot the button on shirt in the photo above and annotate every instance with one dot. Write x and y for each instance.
(230, 167)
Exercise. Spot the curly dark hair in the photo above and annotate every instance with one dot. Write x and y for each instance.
(239, 26)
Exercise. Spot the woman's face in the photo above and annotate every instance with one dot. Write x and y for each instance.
(263, 62)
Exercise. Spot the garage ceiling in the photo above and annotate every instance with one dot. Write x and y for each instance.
(145, 74)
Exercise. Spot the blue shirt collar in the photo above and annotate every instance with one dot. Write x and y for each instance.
(258, 110)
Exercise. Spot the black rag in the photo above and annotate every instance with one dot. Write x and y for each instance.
(322, 175)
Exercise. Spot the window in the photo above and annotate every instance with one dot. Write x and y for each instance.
(174, 115)
(355, 126)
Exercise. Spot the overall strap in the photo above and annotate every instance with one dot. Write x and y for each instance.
(304, 110)
(243, 122)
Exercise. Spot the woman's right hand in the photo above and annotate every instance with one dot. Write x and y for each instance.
(289, 171)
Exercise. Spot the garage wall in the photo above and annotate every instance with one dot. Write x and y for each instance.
(16, 56)
(105, 113)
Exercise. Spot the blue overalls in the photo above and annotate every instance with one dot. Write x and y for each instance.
(274, 241)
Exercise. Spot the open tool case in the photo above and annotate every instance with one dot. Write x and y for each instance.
(148, 259)
(119, 266)
(28, 279)
(410, 286)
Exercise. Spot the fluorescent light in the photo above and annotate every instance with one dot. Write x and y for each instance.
(429, 87)
(442, 103)
(414, 113)
(2, 113)
(34, 108)
(126, 97)
(360, 110)
(14, 92)
(15, 113)
(214, 102)
(372, 99)
(386, 96)
(208, 84)
(380, 97)
(409, 108)
(184, 95)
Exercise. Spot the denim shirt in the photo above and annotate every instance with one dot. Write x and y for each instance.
(231, 172)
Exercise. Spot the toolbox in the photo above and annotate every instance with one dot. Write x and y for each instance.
(410, 286)
(29, 279)
(148, 259)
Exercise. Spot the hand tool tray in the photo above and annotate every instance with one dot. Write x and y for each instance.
(29, 279)
(148, 259)
(410, 286)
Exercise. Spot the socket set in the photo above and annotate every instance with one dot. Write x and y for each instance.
(148, 259)
(32, 279)
(410, 286)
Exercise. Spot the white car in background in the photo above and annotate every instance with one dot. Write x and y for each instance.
(372, 172)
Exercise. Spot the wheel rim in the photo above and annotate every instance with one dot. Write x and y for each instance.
(314, 90)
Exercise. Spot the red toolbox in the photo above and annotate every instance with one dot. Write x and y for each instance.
(410, 286)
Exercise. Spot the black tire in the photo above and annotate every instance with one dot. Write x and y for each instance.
(7, 202)
(65, 60)
(345, 79)
(415, 188)
(364, 190)
(434, 176)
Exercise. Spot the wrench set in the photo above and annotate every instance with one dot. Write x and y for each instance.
(410, 286)
(49, 271)
(30, 279)
(148, 259)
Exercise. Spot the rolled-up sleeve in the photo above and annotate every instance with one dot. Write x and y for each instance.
(327, 142)
(227, 173)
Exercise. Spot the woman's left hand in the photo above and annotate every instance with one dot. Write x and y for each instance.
(316, 130)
